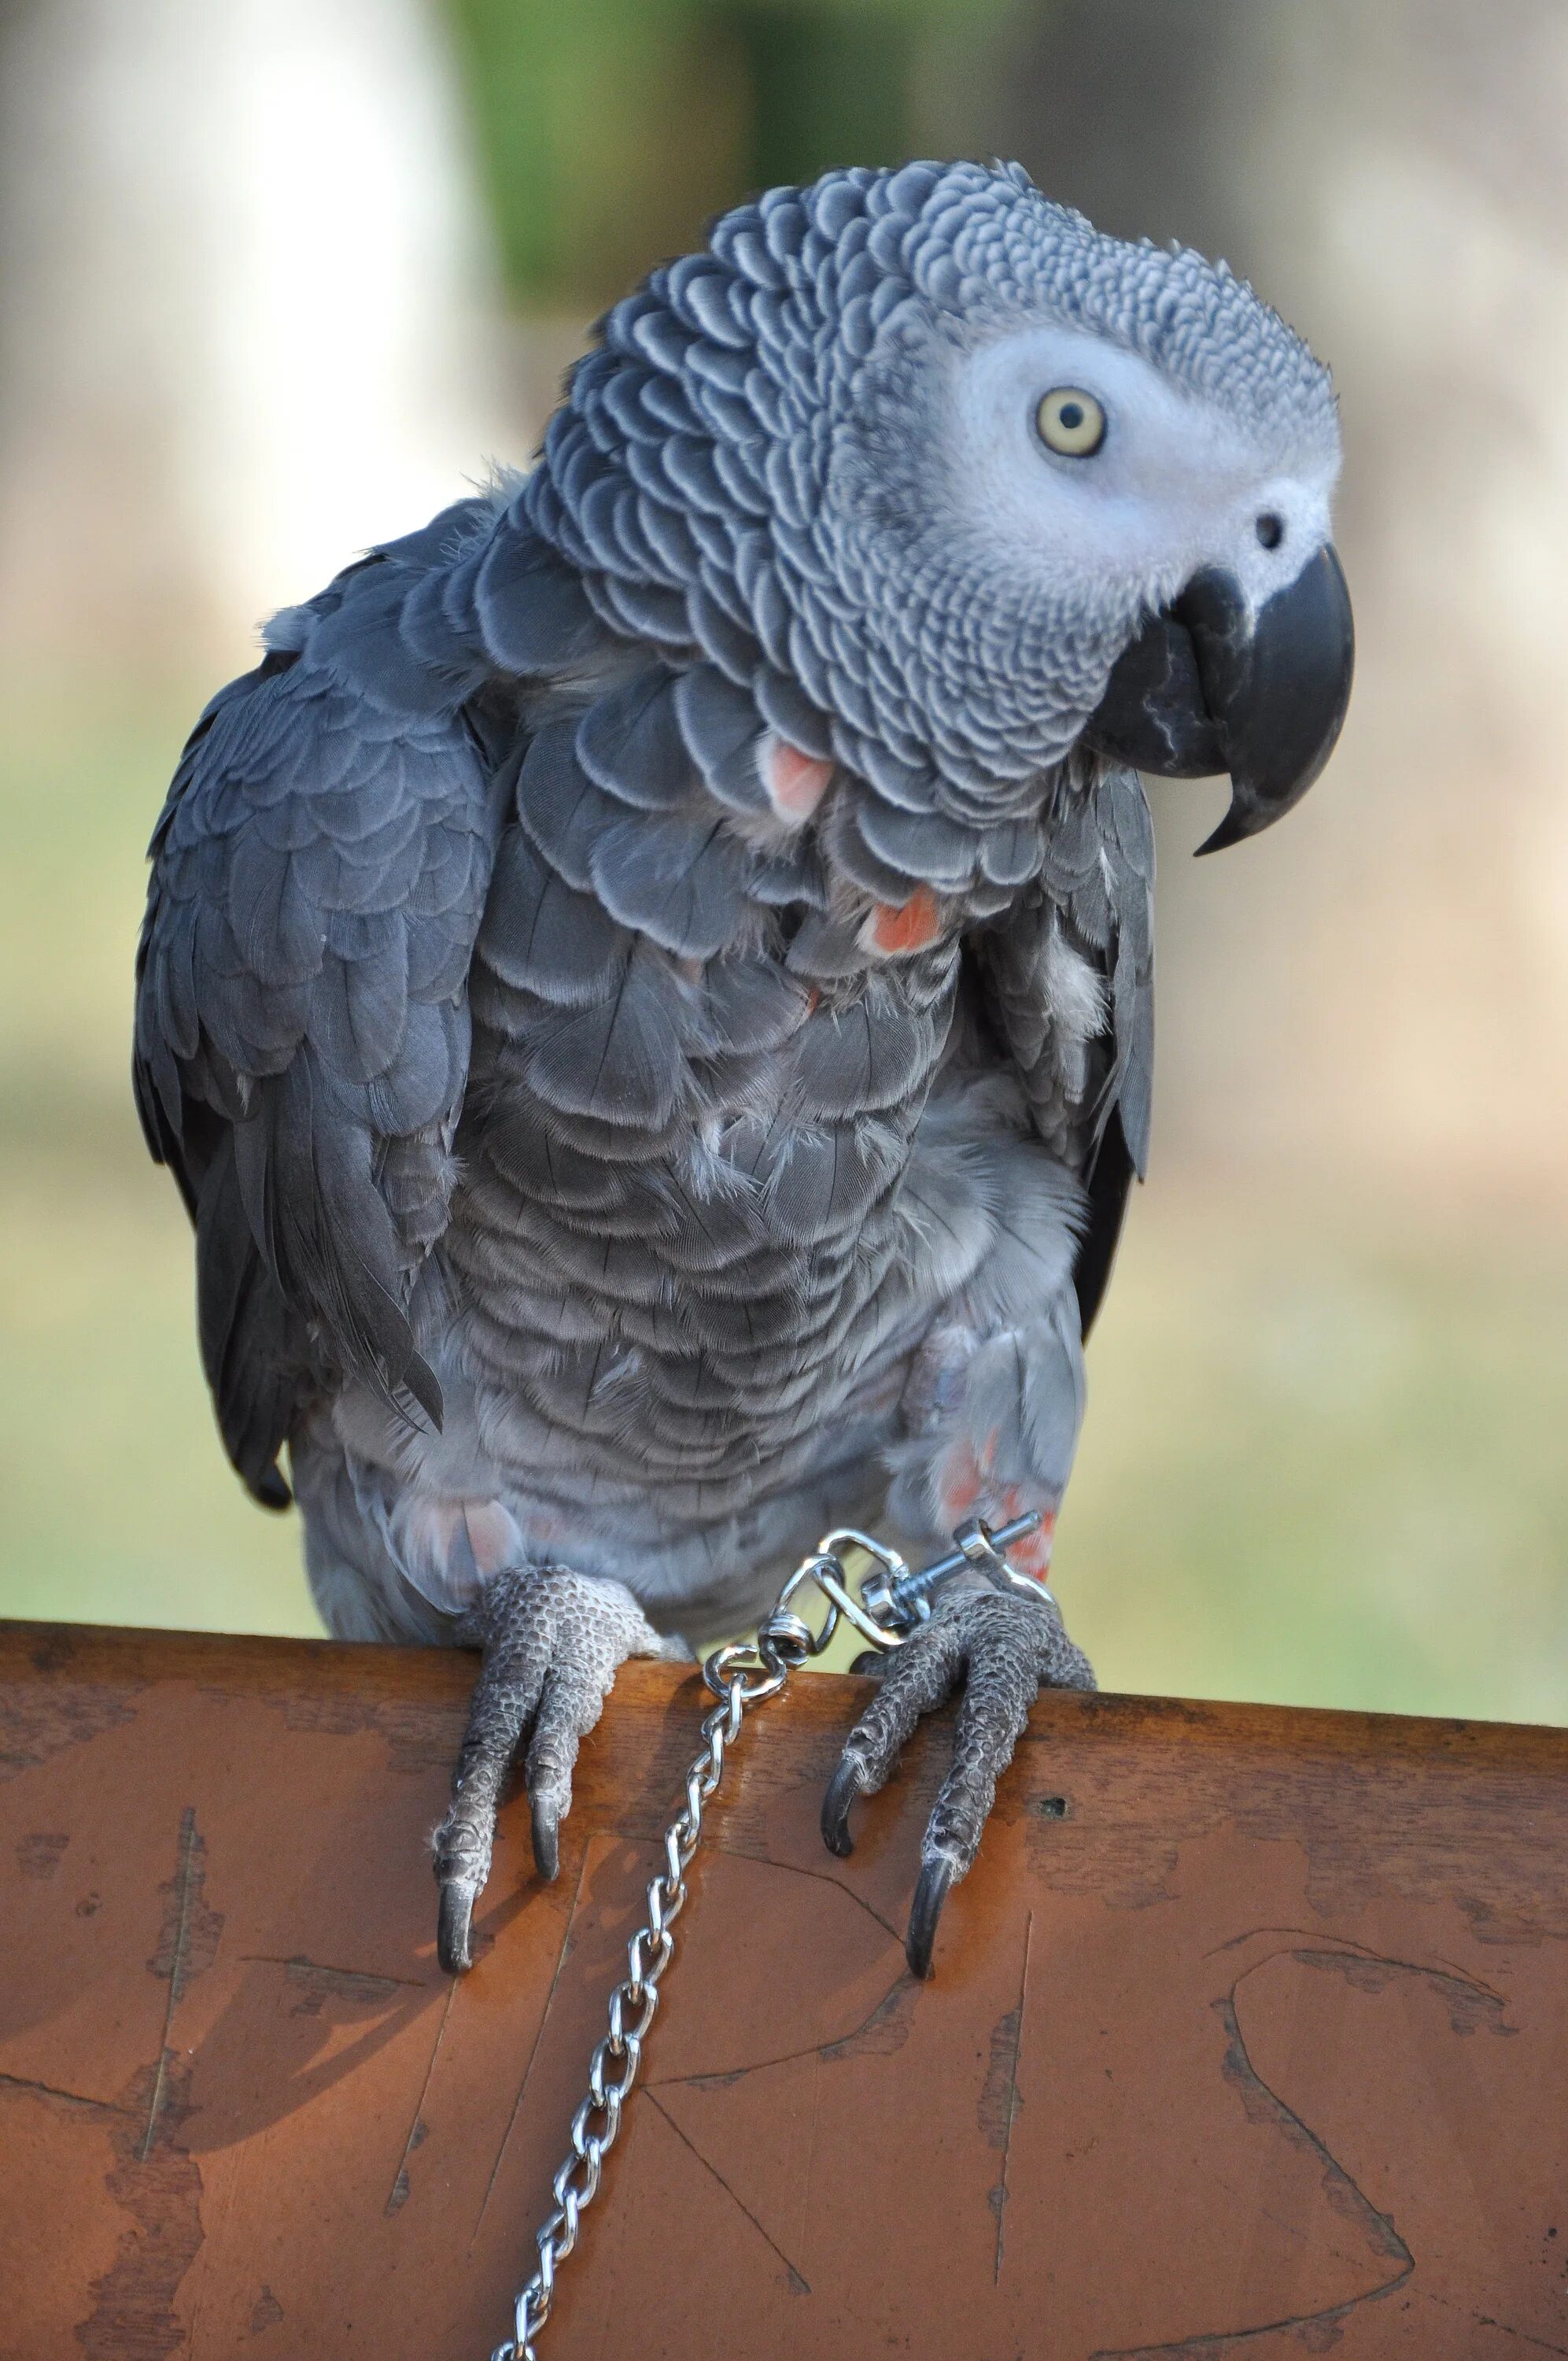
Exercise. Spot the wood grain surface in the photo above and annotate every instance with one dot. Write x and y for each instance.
(1249, 2034)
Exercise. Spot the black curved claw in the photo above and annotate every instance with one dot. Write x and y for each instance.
(936, 1881)
(452, 1929)
(844, 1786)
(546, 1827)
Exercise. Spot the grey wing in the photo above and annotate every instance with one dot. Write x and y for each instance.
(302, 1029)
(1065, 982)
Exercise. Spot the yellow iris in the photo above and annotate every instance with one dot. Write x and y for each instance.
(1072, 421)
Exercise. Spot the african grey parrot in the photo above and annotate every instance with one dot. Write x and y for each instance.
(645, 989)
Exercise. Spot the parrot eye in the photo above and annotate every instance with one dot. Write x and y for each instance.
(1072, 421)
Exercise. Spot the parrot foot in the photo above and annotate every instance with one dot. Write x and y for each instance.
(552, 1642)
(1001, 1650)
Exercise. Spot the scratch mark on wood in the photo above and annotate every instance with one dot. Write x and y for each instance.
(316, 1983)
(133, 2300)
(538, 2037)
(1485, 2320)
(1470, 2001)
(883, 2029)
(1439, 1970)
(1264, 2106)
(808, 2178)
(179, 1956)
(306, 1966)
(999, 2098)
(397, 2196)
(798, 2282)
(66, 2098)
(818, 1876)
(1469, 2004)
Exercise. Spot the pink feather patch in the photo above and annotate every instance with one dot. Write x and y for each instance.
(896, 926)
(796, 783)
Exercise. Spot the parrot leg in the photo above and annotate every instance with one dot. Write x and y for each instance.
(552, 1642)
(1001, 1650)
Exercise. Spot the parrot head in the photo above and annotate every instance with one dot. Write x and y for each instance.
(956, 485)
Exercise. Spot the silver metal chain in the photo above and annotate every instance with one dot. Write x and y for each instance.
(740, 1676)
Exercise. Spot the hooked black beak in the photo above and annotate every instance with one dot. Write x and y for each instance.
(1199, 690)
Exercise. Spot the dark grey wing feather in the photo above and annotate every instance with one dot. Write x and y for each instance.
(1065, 984)
(1110, 1185)
(319, 874)
(252, 1347)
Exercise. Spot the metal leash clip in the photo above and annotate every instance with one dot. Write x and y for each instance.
(897, 1601)
(741, 1675)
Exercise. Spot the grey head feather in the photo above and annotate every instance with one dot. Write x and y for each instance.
(760, 411)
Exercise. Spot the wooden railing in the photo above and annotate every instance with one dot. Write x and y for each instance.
(1249, 2032)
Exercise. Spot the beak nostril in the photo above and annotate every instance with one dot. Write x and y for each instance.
(1270, 529)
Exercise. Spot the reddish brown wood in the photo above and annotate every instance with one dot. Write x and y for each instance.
(1260, 2049)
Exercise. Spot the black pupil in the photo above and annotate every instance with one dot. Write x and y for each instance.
(1270, 530)
(1071, 415)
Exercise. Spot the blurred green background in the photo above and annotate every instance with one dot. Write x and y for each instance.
(269, 289)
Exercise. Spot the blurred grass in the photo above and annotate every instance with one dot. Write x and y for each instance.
(1323, 1462)
(1325, 1459)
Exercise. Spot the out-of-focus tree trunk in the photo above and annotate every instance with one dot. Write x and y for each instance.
(241, 311)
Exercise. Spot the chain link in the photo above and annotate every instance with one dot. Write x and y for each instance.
(740, 1676)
